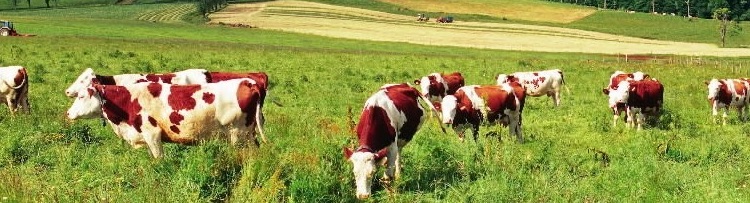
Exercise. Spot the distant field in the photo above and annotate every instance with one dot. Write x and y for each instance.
(530, 10)
(354, 23)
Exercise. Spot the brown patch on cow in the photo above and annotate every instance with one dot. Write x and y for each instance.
(374, 129)
(260, 78)
(103, 80)
(164, 78)
(175, 118)
(152, 120)
(497, 100)
(208, 97)
(180, 97)
(454, 80)
(248, 97)
(174, 129)
(21, 77)
(118, 107)
(138, 122)
(536, 74)
(724, 95)
(154, 89)
(740, 88)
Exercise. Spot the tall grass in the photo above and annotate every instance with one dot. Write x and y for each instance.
(572, 154)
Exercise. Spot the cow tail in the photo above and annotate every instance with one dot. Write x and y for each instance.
(562, 79)
(432, 108)
(259, 122)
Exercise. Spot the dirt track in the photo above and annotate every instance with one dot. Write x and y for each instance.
(353, 23)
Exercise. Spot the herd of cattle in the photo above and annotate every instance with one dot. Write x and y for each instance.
(188, 106)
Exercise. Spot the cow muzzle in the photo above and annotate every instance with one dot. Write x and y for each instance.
(363, 196)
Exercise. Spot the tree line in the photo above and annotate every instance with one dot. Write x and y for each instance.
(739, 9)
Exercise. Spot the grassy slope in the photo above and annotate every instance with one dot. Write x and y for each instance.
(44, 158)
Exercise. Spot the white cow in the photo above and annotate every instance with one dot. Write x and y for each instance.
(152, 113)
(538, 83)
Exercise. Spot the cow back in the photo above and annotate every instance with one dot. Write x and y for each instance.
(381, 121)
(454, 81)
(646, 93)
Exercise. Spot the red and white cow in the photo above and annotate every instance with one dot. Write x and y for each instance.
(723, 94)
(637, 98)
(152, 113)
(435, 86)
(492, 103)
(538, 83)
(185, 77)
(389, 120)
(619, 76)
(15, 88)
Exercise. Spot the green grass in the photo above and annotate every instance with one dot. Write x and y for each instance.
(44, 158)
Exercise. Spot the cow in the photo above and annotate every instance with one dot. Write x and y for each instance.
(471, 105)
(15, 88)
(185, 77)
(435, 86)
(538, 83)
(389, 120)
(638, 98)
(726, 93)
(151, 113)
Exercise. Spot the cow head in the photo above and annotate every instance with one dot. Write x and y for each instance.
(449, 107)
(87, 104)
(431, 85)
(619, 95)
(364, 167)
(714, 87)
(83, 81)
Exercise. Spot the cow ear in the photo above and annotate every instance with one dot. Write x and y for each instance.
(417, 82)
(381, 154)
(630, 75)
(646, 76)
(706, 82)
(605, 90)
(347, 153)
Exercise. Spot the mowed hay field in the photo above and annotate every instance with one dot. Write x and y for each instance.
(572, 153)
(530, 10)
(357, 23)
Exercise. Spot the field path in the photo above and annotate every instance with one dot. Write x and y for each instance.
(354, 23)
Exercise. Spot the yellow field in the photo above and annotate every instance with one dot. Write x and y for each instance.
(531, 10)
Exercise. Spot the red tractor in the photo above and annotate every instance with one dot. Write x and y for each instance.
(7, 29)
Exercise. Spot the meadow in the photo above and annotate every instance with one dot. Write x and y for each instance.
(572, 152)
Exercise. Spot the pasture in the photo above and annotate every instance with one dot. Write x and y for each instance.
(572, 152)
(530, 10)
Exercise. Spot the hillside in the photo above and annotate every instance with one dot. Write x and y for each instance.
(354, 23)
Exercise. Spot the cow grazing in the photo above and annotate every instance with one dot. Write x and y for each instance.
(539, 83)
(152, 113)
(185, 77)
(435, 86)
(389, 120)
(471, 105)
(88, 77)
(723, 94)
(637, 98)
(15, 88)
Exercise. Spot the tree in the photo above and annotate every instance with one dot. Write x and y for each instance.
(722, 14)
(688, 8)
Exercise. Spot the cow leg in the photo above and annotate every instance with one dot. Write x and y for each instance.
(640, 120)
(556, 98)
(724, 116)
(393, 170)
(615, 116)
(475, 132)
(515, 128)
(11, 107)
